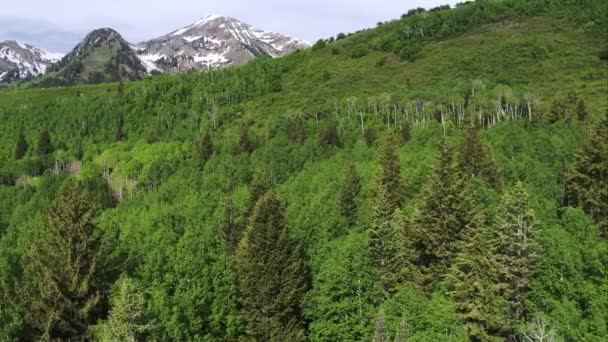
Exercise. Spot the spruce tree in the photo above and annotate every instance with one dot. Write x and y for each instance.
(581, 110)
(203, 148)
(328, 135)
(390, 174)
(439, 219)
(348, 194)
(271, 274)
(70, 268)
(587, 178)
(21, 147)
(260, 184)
(119, 134)
(516, 244)
(243, 143)
(475, 160)
(45, 145)
(384, 242)
(473, 278)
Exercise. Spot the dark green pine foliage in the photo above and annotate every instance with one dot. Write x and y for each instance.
(230, 227)
(587, 178)
(203, 148)
(271, 275)
(473, 280)
(260, 184)
(581, 110)
(21, 147)
(475, 160)
(384, 241)
(119, 134)
(517, 248)
(70, 269)
(296, 128)
(390, 174)
(348, 194)
(439, 219)
(243, 143)
(45, 146)
(328, 135)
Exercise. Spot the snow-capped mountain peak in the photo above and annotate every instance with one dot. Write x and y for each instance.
(213, 41)
(21, 61)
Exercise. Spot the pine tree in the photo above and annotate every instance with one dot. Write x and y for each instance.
(370, 136)
(328, 135)
(439, 219)
(22, 146)
(260, 184)
(70, 269)
(384, 241)
(473, 277)
(517, 247)
(348, 194)
(271, 274)
(230, 227)
(380, 333)
(127, 321)
(243, 143)
(587, 178)
(119, 134)
(475, 160)
(390, 175)
(581, 110)
(203, 148)
(45, 145)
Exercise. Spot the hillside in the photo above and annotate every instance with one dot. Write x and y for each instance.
(438, 177)
(22, 62)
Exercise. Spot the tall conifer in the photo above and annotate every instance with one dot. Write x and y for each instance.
(21, 147)
(271, 274)
(348, 194)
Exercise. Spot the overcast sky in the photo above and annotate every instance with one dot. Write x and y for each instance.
(59, 25)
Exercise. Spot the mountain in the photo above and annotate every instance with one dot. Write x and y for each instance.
(19, 61)
(102, 56)
(213, 41)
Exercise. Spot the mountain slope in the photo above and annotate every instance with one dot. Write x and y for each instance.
(102, 56)
(213, 41)
(21, 62)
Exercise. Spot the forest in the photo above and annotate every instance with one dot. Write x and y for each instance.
(440, 177)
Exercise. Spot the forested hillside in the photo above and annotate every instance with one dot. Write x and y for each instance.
(441, 177)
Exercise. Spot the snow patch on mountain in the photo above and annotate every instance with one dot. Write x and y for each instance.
(20, 61)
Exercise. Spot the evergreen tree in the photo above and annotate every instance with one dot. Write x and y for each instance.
(384, 241)
(243, 143)
(390, 175)
(581, 110)
(119, 134)
(370, 136)
(70, 268)
(22, 146)
(348, 194)
(473, 277)
(271, 274)
(127, 321)
(328, 135)
(45, 145)
(516, 244)
(203, 148)
(230, 227)
(475, 160)
(296, 128)
(439, 219)
(260, 184)
(587, 178)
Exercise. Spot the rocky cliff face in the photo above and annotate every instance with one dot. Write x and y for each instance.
(213, 41)
(21, 62)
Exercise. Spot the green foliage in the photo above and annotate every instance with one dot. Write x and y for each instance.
(348, 194)
(21, 146)
(271, 274)
(475, 160)
(127, 321)
(45, 146)
(587, 178)
(70, 269)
